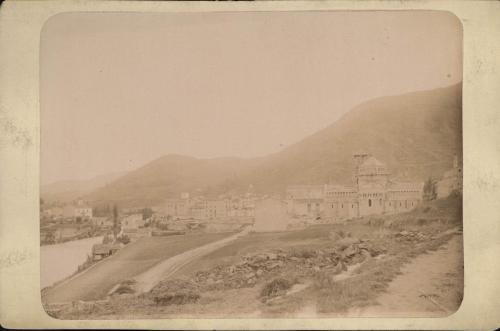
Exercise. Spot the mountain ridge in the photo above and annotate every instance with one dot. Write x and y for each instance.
(416, 134)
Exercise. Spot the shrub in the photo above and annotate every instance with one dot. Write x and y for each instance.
(175, 292)
(124, 289)
(176, 299)
(124, 239)
(107, 239)
(276, 287)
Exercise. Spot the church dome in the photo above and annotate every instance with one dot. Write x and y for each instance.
(372, 166)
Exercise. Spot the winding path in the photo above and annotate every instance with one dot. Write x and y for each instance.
(148, 279)
(142, 259)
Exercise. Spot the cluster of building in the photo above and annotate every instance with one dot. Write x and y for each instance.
(79, 210)
(372, 192)
(199, 208)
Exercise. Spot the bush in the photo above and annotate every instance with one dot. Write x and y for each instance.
(175, 292)
(124, 239)
(125, 288)
(107, 239)
(176, 299)
(276, 287)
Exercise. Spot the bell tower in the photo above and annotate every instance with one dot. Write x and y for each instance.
(359, 158)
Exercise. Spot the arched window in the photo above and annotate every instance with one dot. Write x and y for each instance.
(369, 202)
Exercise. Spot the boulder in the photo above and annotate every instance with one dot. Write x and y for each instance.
(338, 268)
(272, 256)
(250, 275)
(346, 242)
(350, 251)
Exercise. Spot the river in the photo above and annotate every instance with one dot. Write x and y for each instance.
(61, 260)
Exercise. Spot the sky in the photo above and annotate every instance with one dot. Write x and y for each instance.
(118, 90)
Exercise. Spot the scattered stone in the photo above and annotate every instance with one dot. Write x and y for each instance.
(272, 256)
(252, 269)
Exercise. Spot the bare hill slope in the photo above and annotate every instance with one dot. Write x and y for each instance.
(415, 134)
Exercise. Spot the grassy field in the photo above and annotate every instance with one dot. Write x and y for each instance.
(135, 258)
(437, 222)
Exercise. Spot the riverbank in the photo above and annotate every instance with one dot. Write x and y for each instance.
(59, 261)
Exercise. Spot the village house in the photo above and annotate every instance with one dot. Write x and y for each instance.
(100, 251)
(53, 212)
(102, 222)
(133, 221)
(305, 200)
(198, 208)
(80, 209)
(372, 192)
(178, 208)
(132, 226)
(451, 181)
(218, 208)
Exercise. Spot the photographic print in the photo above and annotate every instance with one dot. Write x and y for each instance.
(272, 164)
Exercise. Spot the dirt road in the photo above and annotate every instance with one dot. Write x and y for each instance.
(134, 259)
(148, 279)
(430, 286)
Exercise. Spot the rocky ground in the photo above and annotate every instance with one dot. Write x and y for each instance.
(295, 279)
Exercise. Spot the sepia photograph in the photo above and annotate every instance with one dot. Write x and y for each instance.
(253, 164)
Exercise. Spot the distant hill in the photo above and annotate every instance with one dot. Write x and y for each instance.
(415, 134)
(68, 190)
(170, 175)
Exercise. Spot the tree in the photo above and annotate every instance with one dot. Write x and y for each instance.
(116, 229)
(430, 190)
(50, 238)
(146, 213)
(106, 240)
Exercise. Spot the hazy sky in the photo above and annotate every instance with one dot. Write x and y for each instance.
(119, 90)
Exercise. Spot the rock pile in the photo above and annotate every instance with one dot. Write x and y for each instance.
(242, 274)
(251, 268)
(412, 236)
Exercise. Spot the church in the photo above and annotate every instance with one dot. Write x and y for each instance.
(372, 192)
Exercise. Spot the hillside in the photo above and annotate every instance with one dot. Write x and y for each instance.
(415, 134)
(170, 175)
(68, 190)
